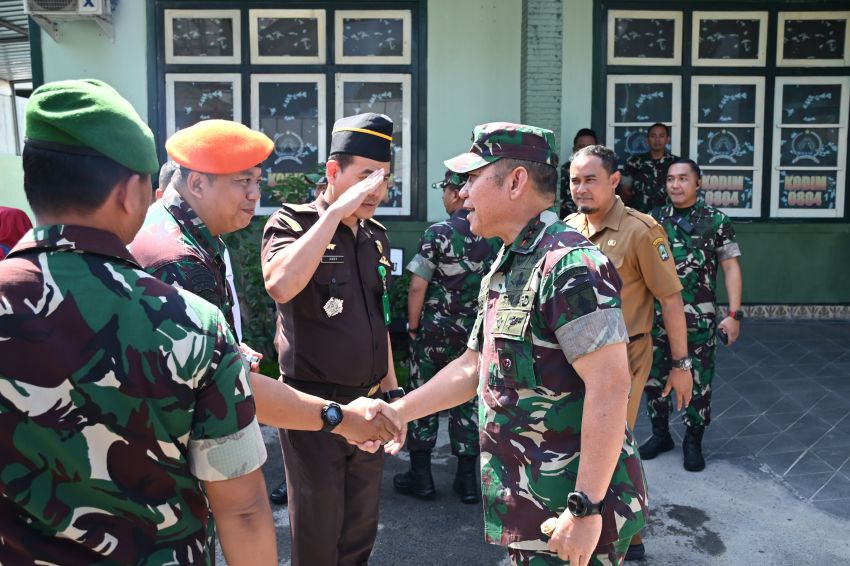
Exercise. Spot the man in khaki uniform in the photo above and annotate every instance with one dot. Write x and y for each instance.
(637, 246)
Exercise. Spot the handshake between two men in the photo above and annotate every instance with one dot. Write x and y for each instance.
(368, 423)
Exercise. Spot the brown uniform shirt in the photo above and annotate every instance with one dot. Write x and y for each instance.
(638, 247)
(349, 348)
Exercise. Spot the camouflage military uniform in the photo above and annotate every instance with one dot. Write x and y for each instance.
(453, 261)
(176, 247)
(550, 298)
(649, 177)
(698, 245)
(118, 396)
(568, 206)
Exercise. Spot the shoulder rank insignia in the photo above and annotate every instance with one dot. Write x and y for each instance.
(292, 223)
(378, 224)
(380, 246)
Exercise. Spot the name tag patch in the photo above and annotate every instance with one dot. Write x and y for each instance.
(332, 258)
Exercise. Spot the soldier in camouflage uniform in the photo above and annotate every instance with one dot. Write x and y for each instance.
(441, 305)
(548, 353)
(701, 237)
(125, 411)
(644, 175)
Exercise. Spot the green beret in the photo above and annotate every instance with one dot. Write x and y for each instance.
(90, 117)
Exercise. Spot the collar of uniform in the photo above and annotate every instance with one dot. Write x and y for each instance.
(530, 236)
(460, 213)
(189, 219)
(69, 238)
(614, 217)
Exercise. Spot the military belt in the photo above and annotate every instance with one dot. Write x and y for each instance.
(332, 390)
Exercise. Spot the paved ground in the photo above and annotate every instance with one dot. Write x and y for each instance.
(776, 490)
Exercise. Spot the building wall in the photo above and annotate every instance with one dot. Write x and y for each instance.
(85, 53)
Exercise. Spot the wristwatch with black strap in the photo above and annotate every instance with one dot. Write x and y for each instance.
(684, 363)
(579, 505)
(331, 416)
(393, 394)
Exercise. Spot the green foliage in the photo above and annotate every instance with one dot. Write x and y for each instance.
(398, 297)
(294, 188)
(258, 309)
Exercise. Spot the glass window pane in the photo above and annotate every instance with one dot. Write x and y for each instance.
(382, 37)
(204, 37)
(729, 39)
(727, 103)
(811, 104)
(814, 147)
(383, 98)
(814, 39)
(643, 102)
(288, 37)
(630, 140)
(807, 189)
(725, 146)
(201, 100)
(644, 38)
(728, 188)
(289, 115)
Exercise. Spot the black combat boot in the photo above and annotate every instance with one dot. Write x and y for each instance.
(280, 495)
(466, 482)
(659, 442)
(418, 482)
(692, 449)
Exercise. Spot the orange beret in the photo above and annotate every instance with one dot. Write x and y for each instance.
(219, 146)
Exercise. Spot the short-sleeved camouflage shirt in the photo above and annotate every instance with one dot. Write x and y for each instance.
(550, 298)
(700, 238)
(119, 394)
(649, 179)
(176, 247)
(453, 260)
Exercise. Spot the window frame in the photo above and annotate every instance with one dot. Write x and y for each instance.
(172, 78)
(783, 16)
(699, 15)
(675, 15)
(254, 15)
(758, 125)
(171, 14)
(841, 162)
(675, 123)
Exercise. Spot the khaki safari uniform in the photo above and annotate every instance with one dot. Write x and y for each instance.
(339, 355)
(637, 246)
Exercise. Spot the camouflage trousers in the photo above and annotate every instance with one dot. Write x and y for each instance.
(702, 346)
(607, 555)
(430, 354)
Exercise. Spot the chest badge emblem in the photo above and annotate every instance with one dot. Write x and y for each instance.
(333, 307)
(612, 242)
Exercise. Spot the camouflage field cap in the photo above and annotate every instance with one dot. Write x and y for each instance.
(450, 179)
(493, 141)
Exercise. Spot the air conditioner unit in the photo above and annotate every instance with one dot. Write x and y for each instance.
(50, 13)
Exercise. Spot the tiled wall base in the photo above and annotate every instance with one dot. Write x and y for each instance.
(819, 312)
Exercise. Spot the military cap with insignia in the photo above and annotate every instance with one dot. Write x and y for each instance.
(89, 117)
(219, 147)
(491, 142)
(451, 179)
(367, 135)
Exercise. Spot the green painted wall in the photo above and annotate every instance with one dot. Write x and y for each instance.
(84, 52)
(577, 86)
(473, 77)
(12, 184)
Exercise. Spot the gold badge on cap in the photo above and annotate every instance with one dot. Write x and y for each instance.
(333, 307)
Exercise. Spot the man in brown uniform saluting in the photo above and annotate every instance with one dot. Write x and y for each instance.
(637, 246)
(326, 264)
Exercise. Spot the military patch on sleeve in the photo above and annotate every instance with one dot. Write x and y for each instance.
(657, 241)
(292, 223)
(662, 251)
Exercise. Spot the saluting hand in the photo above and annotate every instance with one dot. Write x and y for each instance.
(348, 202)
